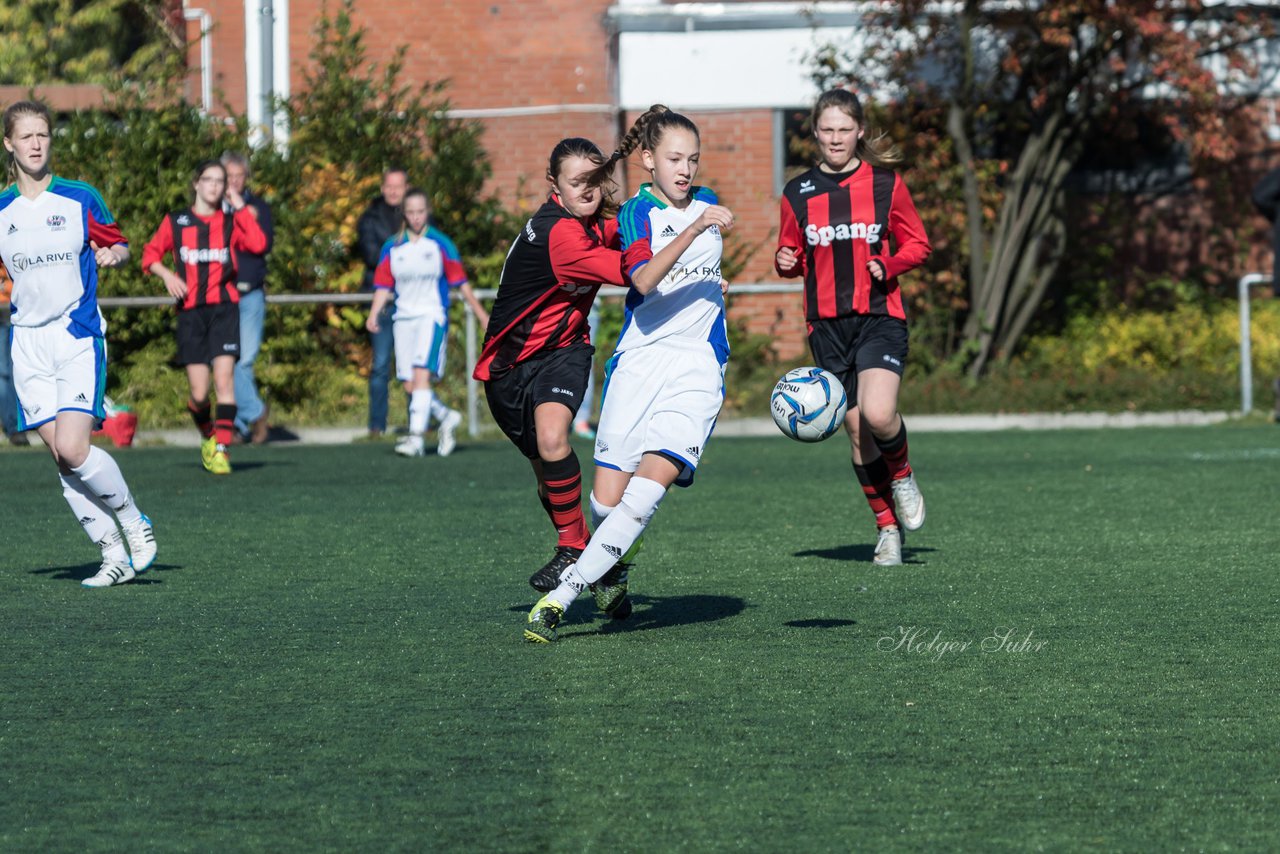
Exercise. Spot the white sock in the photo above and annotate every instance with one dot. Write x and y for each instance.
(102, 476)
(438, 410)
(612, 538)
(599, 512)
(95, 517)
(420, 406)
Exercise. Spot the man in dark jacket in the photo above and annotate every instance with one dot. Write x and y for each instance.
(251, 279)
(378, 222)
(1266, 198)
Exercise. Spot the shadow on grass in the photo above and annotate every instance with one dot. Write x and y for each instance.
(651, 612)
(863, 553)
(88, 570)
(819, 624)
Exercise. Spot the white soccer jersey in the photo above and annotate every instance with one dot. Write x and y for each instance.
(688, 302)
(44, 244)
(421, 272)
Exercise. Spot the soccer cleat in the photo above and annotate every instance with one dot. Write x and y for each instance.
(909, 501)
(447, 442)
(610, 592)
(410, 446)
(582, 429)
(543, 619)
(141, 538)
(888, 548)
(221, 461)
(207, 449)
(111, 573)
(548, 578)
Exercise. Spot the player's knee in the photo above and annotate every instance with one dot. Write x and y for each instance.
(642, 498)
(880, 418)
(554, 444)
(70, 452)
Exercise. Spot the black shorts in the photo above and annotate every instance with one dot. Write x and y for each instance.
(557, 377)
(846, 346)
(208, 331)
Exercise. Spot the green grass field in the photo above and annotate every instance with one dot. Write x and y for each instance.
(327, 656)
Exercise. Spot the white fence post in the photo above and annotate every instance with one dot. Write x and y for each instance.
(1246, 342)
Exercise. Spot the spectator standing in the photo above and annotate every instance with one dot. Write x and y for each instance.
(251, 267)
(380, 220)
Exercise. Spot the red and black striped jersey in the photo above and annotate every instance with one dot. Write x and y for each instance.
(205, 251)
(549, 280)
(837, 226)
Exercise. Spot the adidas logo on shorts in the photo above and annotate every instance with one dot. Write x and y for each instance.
(80, 398)
(615, 551)
(694, 452)
(13, 229)
(668, 232)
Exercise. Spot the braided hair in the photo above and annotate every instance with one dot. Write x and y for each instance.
(645, 135)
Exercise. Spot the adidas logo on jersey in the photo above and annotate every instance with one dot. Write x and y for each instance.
(13, 229)
(668, 232)
(614, 551)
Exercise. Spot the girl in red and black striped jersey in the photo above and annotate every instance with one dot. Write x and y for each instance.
(204, 242)
(537, 350)
(838, 219)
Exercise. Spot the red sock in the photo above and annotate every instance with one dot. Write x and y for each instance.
(224, 422)
(201, 414)
(563, 501)
(894, 452)
(874, 478)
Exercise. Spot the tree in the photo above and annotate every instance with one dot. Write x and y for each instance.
(82, 41)
(1025, 86)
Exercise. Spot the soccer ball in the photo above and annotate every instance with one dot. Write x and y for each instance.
(808, 404)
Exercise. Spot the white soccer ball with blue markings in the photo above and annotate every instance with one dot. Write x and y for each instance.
(808, 404)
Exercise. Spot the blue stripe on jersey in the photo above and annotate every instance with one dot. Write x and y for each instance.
(633, 220)
(704, 194)
(450, 251)
(719, 339)
(85, 194)
(86, 322)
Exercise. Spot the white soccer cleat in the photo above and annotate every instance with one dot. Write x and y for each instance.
(888, 548)
(111, 573)
(447, 441)
(410, 446)
(909, 502)
(141, 538)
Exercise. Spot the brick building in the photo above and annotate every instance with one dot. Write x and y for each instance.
(535, 71)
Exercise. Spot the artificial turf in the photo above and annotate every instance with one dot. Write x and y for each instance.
(328, 656)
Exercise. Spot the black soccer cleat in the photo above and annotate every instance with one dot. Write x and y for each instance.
(548, 578)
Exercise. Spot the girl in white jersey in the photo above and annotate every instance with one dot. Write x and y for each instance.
(665, 383)
(54, 234)
(420, 265)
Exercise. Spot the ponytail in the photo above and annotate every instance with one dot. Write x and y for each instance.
(645, 134)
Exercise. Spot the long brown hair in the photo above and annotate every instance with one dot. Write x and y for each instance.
(646, 133)
(600, 177)
(22, 110)
(878, 150)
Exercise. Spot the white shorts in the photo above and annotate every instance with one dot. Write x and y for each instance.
(55, 372)
(419, 344)
(663, 398)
